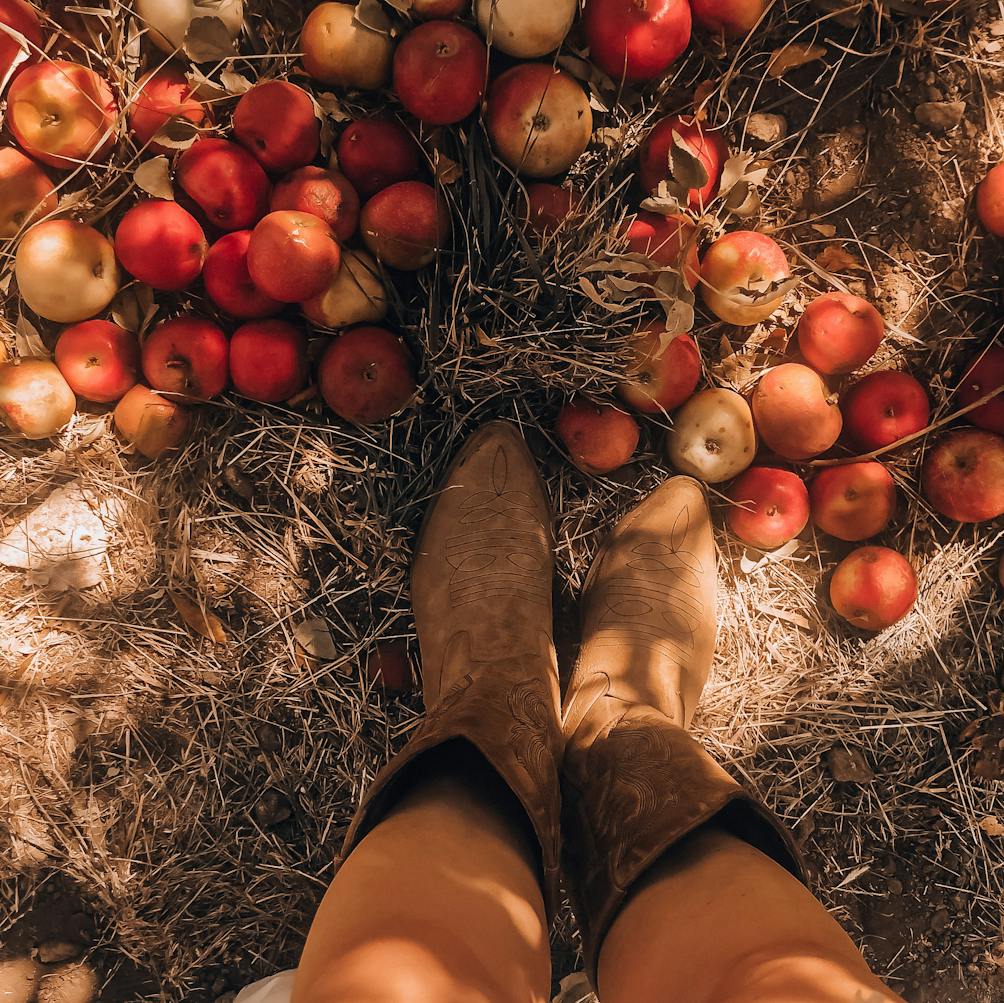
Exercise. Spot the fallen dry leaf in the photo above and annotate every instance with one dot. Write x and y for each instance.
(702, 92)
(793, 55)
(205, 623)
(154, 177)
(834, 258)
(992, 826)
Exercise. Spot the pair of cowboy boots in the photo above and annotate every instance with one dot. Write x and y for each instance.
(611, 780)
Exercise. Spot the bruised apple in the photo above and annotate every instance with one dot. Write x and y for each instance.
(873, 588)
(322, 192)
(525, 29)
(548, 206)
(731, 18)
(26, 192)
(163, 94)
(985, 373)
(668, 241)
(794, 413)
(187, 356)
(226, 182)
(406, 225)
(375, 153)
(883, 408)
(743, 276)
(599, 438)
(664, 373)
(98, 359)
(705, 145)
(167, 21)
(161, 244)
(228, 282)
(22, 18)
(712, 437)
(150, 423)
(539, 119)
(66, 271)
(366, 375)
(293, 256)
(853, 501)
(636, 40)
(35, 399)
(339, 49)
(963, 475)
(276, 123)
(770, 507)
(356, 296)
(839, 332)
(268, 360)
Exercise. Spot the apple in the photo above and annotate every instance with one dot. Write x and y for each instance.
(853, 501)
(388, 665)
(406, 225)
(740, 277)
(276, 123)
(356, 296)
(525, 29)
(151, 423)
(427, 9)
(268, 360)
(873, 588)
(338, 49)
(771, 507)
(990, 201)
(839, 333)
(985, 373)
(731, 18)
(549, 206)
(226, 183)
(366, 375)
(794, 413)
(293, 256)
(26, 192)
(22, 18)
(636, 40)
(883, 408)
(35, 400)
(375, 153)
(228, 281)
(963, 475)
(668, 241)
(163, 94)
(440, 72)
(712, 436)
(187, 356)
(161, 244)
(62, 113)
(167, 21)
(322, 192)
(539, 119)
(665, 371)
(66, 271)
(599, 437)
(99, 360)
(708, 146)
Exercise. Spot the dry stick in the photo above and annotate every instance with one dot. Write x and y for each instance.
(840, 461)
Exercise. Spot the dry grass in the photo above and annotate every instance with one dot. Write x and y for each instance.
(134, 755)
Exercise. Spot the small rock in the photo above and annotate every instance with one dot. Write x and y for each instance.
(766, 128)
(51, 952)
(271, 809)
(226, 997)
(219, 987)
(18, 980)
(69, 984)
(269, 737)
(939, 921)
(847, 764)
(895, 886)
(940, 114)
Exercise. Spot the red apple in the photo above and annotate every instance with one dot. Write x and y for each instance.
(873, 588)
(228, 281)
(376, 153)
(322, 192)
(669, 241)
(665, 371)
(839, 332)
(599, 437)
(731, 18)
(151, 423)
(770, 507)
(161, 244)
(339, 49)
(62, 113)
(883, 408)
(187, 356)
(548, 206)
(22, 18)
(963, 475)
(985, 373)
(741, 274)
(268, 360)
(539, 119)
(275, 121)
(405, 225)
(853, 501)
(98, 359)
(440, 72)
(26, 193)
(388, 665)
(163, 94)
(990, 201)
(35, 399)
(636, 40)
(293, 256)
(667, 135)
(366, 375)
(428, 9)
(226, 182)
(794, 413)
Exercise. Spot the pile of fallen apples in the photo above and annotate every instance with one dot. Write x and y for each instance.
(282, 246)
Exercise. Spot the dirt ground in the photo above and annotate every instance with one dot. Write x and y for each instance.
(171, 804)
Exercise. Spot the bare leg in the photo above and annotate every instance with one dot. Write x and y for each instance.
(717, 921)
(440, 903)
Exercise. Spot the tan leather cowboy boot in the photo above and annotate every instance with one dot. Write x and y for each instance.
(481, 591)
(634, 782)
